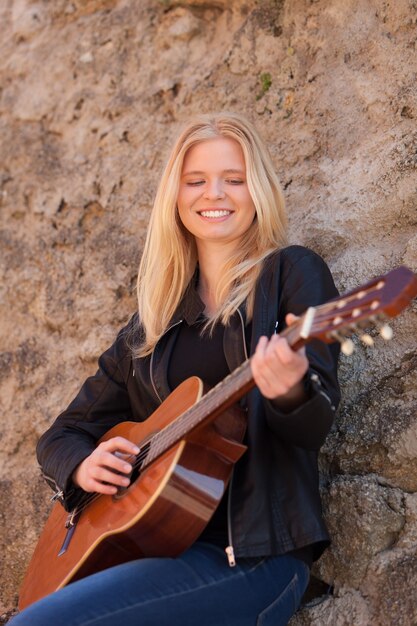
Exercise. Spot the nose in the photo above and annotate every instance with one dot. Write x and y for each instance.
(214, 189)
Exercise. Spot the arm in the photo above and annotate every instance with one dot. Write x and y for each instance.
(278, 371)
(101, 403)
(300, 388)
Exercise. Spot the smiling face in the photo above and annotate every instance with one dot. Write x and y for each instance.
(214, 202)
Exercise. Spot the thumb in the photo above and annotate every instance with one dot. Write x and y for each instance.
(290, 319)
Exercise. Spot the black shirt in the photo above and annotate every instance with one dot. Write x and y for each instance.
(199, 352)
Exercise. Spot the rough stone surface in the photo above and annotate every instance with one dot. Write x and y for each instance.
(364, 518)
(91, 94)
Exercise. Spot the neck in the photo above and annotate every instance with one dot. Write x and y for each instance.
(211, 259)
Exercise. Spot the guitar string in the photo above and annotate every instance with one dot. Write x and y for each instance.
(160, 438)
(91, 497)
(174, 429)
(175, 426)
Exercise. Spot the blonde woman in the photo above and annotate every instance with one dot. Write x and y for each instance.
(217, 282)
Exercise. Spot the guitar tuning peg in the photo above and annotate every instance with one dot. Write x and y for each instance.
(347, 347)
(386, 332)
(366, 339)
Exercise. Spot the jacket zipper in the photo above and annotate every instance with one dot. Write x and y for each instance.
(242, 323)
(59, 493)
(315, 378)
(230, 550)
(151, 363)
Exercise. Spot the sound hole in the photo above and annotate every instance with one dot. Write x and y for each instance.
(137, 467)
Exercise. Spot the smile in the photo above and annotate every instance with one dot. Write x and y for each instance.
(215, 213)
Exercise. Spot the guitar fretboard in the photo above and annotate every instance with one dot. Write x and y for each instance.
(212, 404)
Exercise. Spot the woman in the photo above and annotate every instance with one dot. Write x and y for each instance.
(215, 279)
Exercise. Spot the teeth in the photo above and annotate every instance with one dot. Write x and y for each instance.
(219, 213)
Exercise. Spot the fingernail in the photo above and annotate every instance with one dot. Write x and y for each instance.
(127, 467)
(136, 450)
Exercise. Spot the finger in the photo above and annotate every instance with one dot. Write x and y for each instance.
(276, 367)
(290, 318)
(267, 356)
(262, 344)
(280, 368)
(275, 354)
(104, 475)
(120, 444)
(123, 455)
(260, 370)
(110, 460)
(99, 487)
(279, 351)
(258, 355)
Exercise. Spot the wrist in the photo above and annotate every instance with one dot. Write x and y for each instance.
(294, 398)
(76, 476)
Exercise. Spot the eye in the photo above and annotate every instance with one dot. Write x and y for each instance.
(194, 183)
(235, 181)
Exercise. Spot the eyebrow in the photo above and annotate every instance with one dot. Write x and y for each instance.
(201, 173)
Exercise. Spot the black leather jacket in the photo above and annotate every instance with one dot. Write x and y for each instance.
(274, 504)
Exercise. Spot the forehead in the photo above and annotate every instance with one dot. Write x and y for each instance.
(219, 153)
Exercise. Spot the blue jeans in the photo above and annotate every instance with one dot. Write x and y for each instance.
(197, 587)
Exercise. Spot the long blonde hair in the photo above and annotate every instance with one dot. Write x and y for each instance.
(170, 255)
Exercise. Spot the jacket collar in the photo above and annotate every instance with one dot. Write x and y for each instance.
(192, 307)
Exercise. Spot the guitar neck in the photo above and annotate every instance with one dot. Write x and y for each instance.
(214, 402)
(384, 296)
(210, 406)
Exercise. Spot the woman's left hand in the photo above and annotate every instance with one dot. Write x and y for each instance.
(278, 370)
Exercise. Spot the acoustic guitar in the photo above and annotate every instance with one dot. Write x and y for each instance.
(188, 447)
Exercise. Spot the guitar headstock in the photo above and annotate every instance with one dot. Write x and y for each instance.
(369, 305)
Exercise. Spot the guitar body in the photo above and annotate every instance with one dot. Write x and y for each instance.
(161, 513)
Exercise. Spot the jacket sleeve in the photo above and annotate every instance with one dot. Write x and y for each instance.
(306, 281)
(101, 403)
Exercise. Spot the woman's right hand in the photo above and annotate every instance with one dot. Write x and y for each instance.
(106, 468)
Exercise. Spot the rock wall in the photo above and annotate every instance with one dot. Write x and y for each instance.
(91, 94)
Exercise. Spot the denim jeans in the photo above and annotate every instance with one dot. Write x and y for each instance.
(197, 587)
